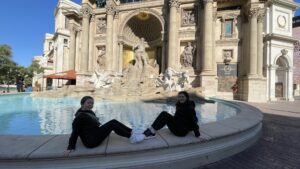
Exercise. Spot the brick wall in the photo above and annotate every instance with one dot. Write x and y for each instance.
(296, 34)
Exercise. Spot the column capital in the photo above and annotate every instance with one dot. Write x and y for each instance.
(73, 28)
(208, 1)
(261, 15)
(253, 12)
(93, 17)
(121, 42)
(86, 11)
(215, 14)
(174, 3)
(110, 9)
(116, 16)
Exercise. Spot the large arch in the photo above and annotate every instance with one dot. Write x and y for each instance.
(149, 11)
(142, 23)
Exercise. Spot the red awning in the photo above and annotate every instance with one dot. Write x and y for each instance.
(67, 75)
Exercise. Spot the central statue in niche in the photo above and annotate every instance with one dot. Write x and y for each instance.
(139, 71)
(140, 55)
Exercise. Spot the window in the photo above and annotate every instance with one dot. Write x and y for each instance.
(65, 41)
(128, 1)
(228, 28)
(50, 47)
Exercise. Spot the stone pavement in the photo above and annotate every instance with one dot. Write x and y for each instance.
(279, 146)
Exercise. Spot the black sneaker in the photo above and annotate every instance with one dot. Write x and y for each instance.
(149, 134)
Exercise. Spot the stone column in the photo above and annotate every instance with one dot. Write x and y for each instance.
(115, 61)
(91, 44)
(199, 38)
(260, 43)
(253, 42)
(163, 56)
(110, 11)
(172, 34)
(73, 31)
(120, 67)
(86, 13)
(207, 37)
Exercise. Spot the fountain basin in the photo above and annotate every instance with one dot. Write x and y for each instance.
(218, 140)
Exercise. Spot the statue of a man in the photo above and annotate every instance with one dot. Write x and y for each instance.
(140, 53)
(188, 55)
(100, 3)
(101, 57)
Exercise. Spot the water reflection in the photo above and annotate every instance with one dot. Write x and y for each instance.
(22, 114)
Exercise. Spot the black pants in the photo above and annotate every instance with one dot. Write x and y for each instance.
(104, 130)
(164, 118)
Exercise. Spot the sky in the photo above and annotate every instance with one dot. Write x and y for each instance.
(24, 24)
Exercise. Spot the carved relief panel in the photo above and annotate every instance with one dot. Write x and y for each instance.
(188, 17)
(282, 21)
(227, 56)
(101, 26)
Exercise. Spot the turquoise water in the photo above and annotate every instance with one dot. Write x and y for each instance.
(22, 114)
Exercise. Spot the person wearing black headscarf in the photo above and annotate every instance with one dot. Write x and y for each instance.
(184, 120)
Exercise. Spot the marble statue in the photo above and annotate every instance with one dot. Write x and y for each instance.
(101, 58)
(187, 55)
(167, 81)
(100, 3)
(172, 80)
(140, 54)
(101, 26)
(183, 81)
(103, 79)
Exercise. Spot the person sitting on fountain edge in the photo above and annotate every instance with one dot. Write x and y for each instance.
(87, 126)
(181, 123)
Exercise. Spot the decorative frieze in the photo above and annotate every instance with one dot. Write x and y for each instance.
(187, 34)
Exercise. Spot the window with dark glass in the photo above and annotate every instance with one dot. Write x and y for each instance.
(228, 28)
(128, 1)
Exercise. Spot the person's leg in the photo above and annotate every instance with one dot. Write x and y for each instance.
(162, 119)
(177, 128)
(119, 128)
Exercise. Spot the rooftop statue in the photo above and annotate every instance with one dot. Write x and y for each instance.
(100, 3)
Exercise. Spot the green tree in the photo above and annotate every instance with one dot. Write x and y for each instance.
(5, 51)
(8, 68)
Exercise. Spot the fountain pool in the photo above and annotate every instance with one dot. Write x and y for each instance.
(22, 114)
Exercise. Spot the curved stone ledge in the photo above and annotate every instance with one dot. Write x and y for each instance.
(218, 140)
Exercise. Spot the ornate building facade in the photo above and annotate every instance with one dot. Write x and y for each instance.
(232, 48)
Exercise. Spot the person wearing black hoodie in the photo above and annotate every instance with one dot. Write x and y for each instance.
(87, 126)
(184, 120)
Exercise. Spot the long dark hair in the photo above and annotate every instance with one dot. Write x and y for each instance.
(82, 101)
(188, 102)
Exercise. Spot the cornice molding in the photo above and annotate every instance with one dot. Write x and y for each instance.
(274, 36)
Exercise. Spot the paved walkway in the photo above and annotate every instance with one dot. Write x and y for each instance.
(279, 146)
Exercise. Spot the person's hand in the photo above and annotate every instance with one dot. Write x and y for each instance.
(67, 152)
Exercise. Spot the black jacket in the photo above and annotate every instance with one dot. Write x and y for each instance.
(84, 125)
(186, 115)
